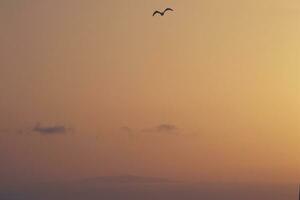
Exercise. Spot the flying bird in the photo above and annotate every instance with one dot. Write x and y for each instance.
(162, 13)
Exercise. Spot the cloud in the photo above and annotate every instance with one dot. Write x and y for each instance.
(163, 128)
(166, 128)
(50, 130)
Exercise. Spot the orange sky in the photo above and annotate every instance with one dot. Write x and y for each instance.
(224, 75)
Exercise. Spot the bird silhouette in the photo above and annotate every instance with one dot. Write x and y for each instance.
(162, 13)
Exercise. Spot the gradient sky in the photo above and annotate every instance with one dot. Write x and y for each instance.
(210, 92)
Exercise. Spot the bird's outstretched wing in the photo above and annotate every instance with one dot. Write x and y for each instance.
(156, 12)
(168, 9)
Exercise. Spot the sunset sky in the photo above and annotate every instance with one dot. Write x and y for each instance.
(208, 93)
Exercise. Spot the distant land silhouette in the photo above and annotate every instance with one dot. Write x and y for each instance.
(131, 187)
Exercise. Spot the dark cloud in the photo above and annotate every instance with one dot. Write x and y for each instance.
(50, 130)
(166, 128)
(163, 128)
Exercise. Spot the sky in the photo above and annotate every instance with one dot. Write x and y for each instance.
(209, 92)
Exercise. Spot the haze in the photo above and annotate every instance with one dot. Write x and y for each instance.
(208, 93)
